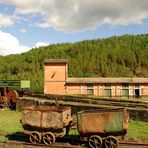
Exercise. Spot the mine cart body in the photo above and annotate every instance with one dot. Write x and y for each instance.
(46, 118)
(102, 122)
(100, 127)
(45, 122)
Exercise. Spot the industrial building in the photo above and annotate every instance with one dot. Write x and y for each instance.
(56, 81)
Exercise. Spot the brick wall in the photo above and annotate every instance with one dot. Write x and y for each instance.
(55, 75)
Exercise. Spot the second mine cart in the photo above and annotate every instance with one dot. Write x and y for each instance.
(45, 123)
(99, 127)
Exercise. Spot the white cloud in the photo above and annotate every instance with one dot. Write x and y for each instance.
(23, 30)
(78, 15)
(5, 20)
(40, 44)
(43, 25)
(10, 44)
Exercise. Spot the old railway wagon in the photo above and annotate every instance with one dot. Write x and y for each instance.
(45, 123)
(10, 90)
(99, 127)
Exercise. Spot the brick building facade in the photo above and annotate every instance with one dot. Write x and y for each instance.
(56, 81)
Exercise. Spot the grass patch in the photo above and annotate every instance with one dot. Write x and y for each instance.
(137, 130)
(3, 139)
(10, 122)
(73, 132)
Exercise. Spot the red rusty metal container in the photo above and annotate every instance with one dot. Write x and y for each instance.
(102, 122)
(46, 118)
(45, 123)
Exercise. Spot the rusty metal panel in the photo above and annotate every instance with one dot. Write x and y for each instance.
(52, 119)
(31, 118)
(102, 121)
(45, 117)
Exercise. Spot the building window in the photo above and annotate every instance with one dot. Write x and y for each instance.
(90, 89)
(125, 90)
(137, 91)
(107, 90)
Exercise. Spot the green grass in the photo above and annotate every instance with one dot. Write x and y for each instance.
(73, 132)
(3, 139)
(10, 121)
(138, 130)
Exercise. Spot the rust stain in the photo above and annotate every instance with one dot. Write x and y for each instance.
(46, 117)
(98, 122)
(106, 115)
(92, 123)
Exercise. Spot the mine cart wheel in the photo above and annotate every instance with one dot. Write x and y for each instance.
(111, 142)
(95, 141)
(48, 138)
(35, 137)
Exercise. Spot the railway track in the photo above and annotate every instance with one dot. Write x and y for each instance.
(133, 144)
(20, 140)
(95, 101)
(17, 144)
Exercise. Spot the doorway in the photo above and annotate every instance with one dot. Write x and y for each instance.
(137, 93)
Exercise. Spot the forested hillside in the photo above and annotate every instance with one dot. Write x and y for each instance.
(124, 56)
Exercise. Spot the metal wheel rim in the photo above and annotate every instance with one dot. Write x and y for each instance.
(111, 142)
(95, 141)
(48, 138)
(35, 137)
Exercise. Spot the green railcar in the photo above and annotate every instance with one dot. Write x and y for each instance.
(10, 90)
(15, 84)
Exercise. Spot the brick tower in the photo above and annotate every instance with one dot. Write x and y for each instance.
(55, 75)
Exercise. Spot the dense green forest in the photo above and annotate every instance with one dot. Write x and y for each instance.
(124, 56)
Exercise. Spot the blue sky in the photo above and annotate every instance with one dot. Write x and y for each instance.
(33, 23)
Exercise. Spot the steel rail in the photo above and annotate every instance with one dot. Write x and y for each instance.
(100, 101)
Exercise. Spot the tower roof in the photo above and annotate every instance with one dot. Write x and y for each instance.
(55, 61)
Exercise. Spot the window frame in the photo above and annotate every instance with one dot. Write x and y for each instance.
(90, 89)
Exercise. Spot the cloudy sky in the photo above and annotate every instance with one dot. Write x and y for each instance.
(25, 24)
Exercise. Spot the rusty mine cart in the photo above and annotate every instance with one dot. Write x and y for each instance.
(99, 127)
(45, 123)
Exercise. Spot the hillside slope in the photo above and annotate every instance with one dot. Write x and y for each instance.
(124, 56)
